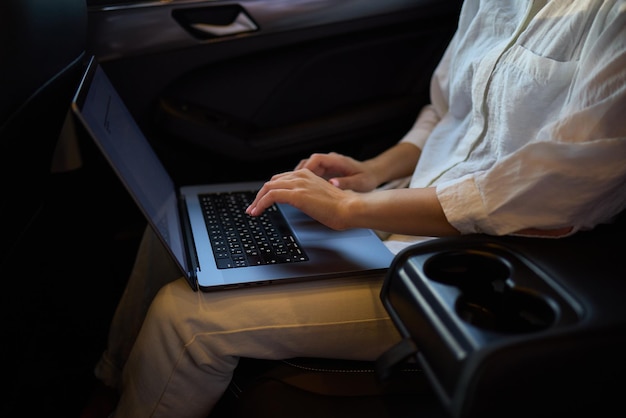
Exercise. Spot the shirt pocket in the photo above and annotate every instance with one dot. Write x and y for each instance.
(527, 91)
(538, 69)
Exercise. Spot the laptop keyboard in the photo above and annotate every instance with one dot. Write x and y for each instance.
(240, 240)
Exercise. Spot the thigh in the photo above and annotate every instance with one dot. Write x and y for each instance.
(340, 318)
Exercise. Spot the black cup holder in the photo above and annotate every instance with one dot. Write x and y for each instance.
(487, 296)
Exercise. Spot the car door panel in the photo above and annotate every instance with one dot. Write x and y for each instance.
(123, 29)
(286, 79)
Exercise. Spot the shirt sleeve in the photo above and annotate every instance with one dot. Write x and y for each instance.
(549, 185)
(423, 126)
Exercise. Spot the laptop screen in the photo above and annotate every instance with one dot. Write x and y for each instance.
(131, 155)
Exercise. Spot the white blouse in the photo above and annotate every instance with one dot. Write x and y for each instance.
(527, 126)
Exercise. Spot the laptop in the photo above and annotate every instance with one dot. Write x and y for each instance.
(186, 219)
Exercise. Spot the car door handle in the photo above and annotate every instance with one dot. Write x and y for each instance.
(211, 22)
(242, 23)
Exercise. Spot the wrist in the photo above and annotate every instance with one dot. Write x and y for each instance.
(378, 171)
(351, 211)
(397, 162)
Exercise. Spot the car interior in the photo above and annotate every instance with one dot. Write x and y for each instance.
(238, 91)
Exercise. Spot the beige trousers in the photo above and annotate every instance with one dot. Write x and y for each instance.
(189, 344)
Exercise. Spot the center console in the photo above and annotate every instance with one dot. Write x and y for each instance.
(513, 326)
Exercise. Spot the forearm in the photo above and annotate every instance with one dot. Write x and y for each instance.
(396, 162)
(403, 211)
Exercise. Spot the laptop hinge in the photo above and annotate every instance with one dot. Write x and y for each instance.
(193, 262)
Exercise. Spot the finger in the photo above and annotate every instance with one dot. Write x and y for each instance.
(301, 164)
(258, 206)
(274, 195)
(344, 182)
(281, 175)
(312, 161)
(317, 163)
(261, 201)
(354, 183)
(259, 195)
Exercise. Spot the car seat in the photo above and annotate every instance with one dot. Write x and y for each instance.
(318, 387)
(41, 49)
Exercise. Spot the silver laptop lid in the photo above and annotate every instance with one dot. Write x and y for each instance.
(105, 115)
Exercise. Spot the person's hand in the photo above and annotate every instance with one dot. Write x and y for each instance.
(308, 192)
(341, 171)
